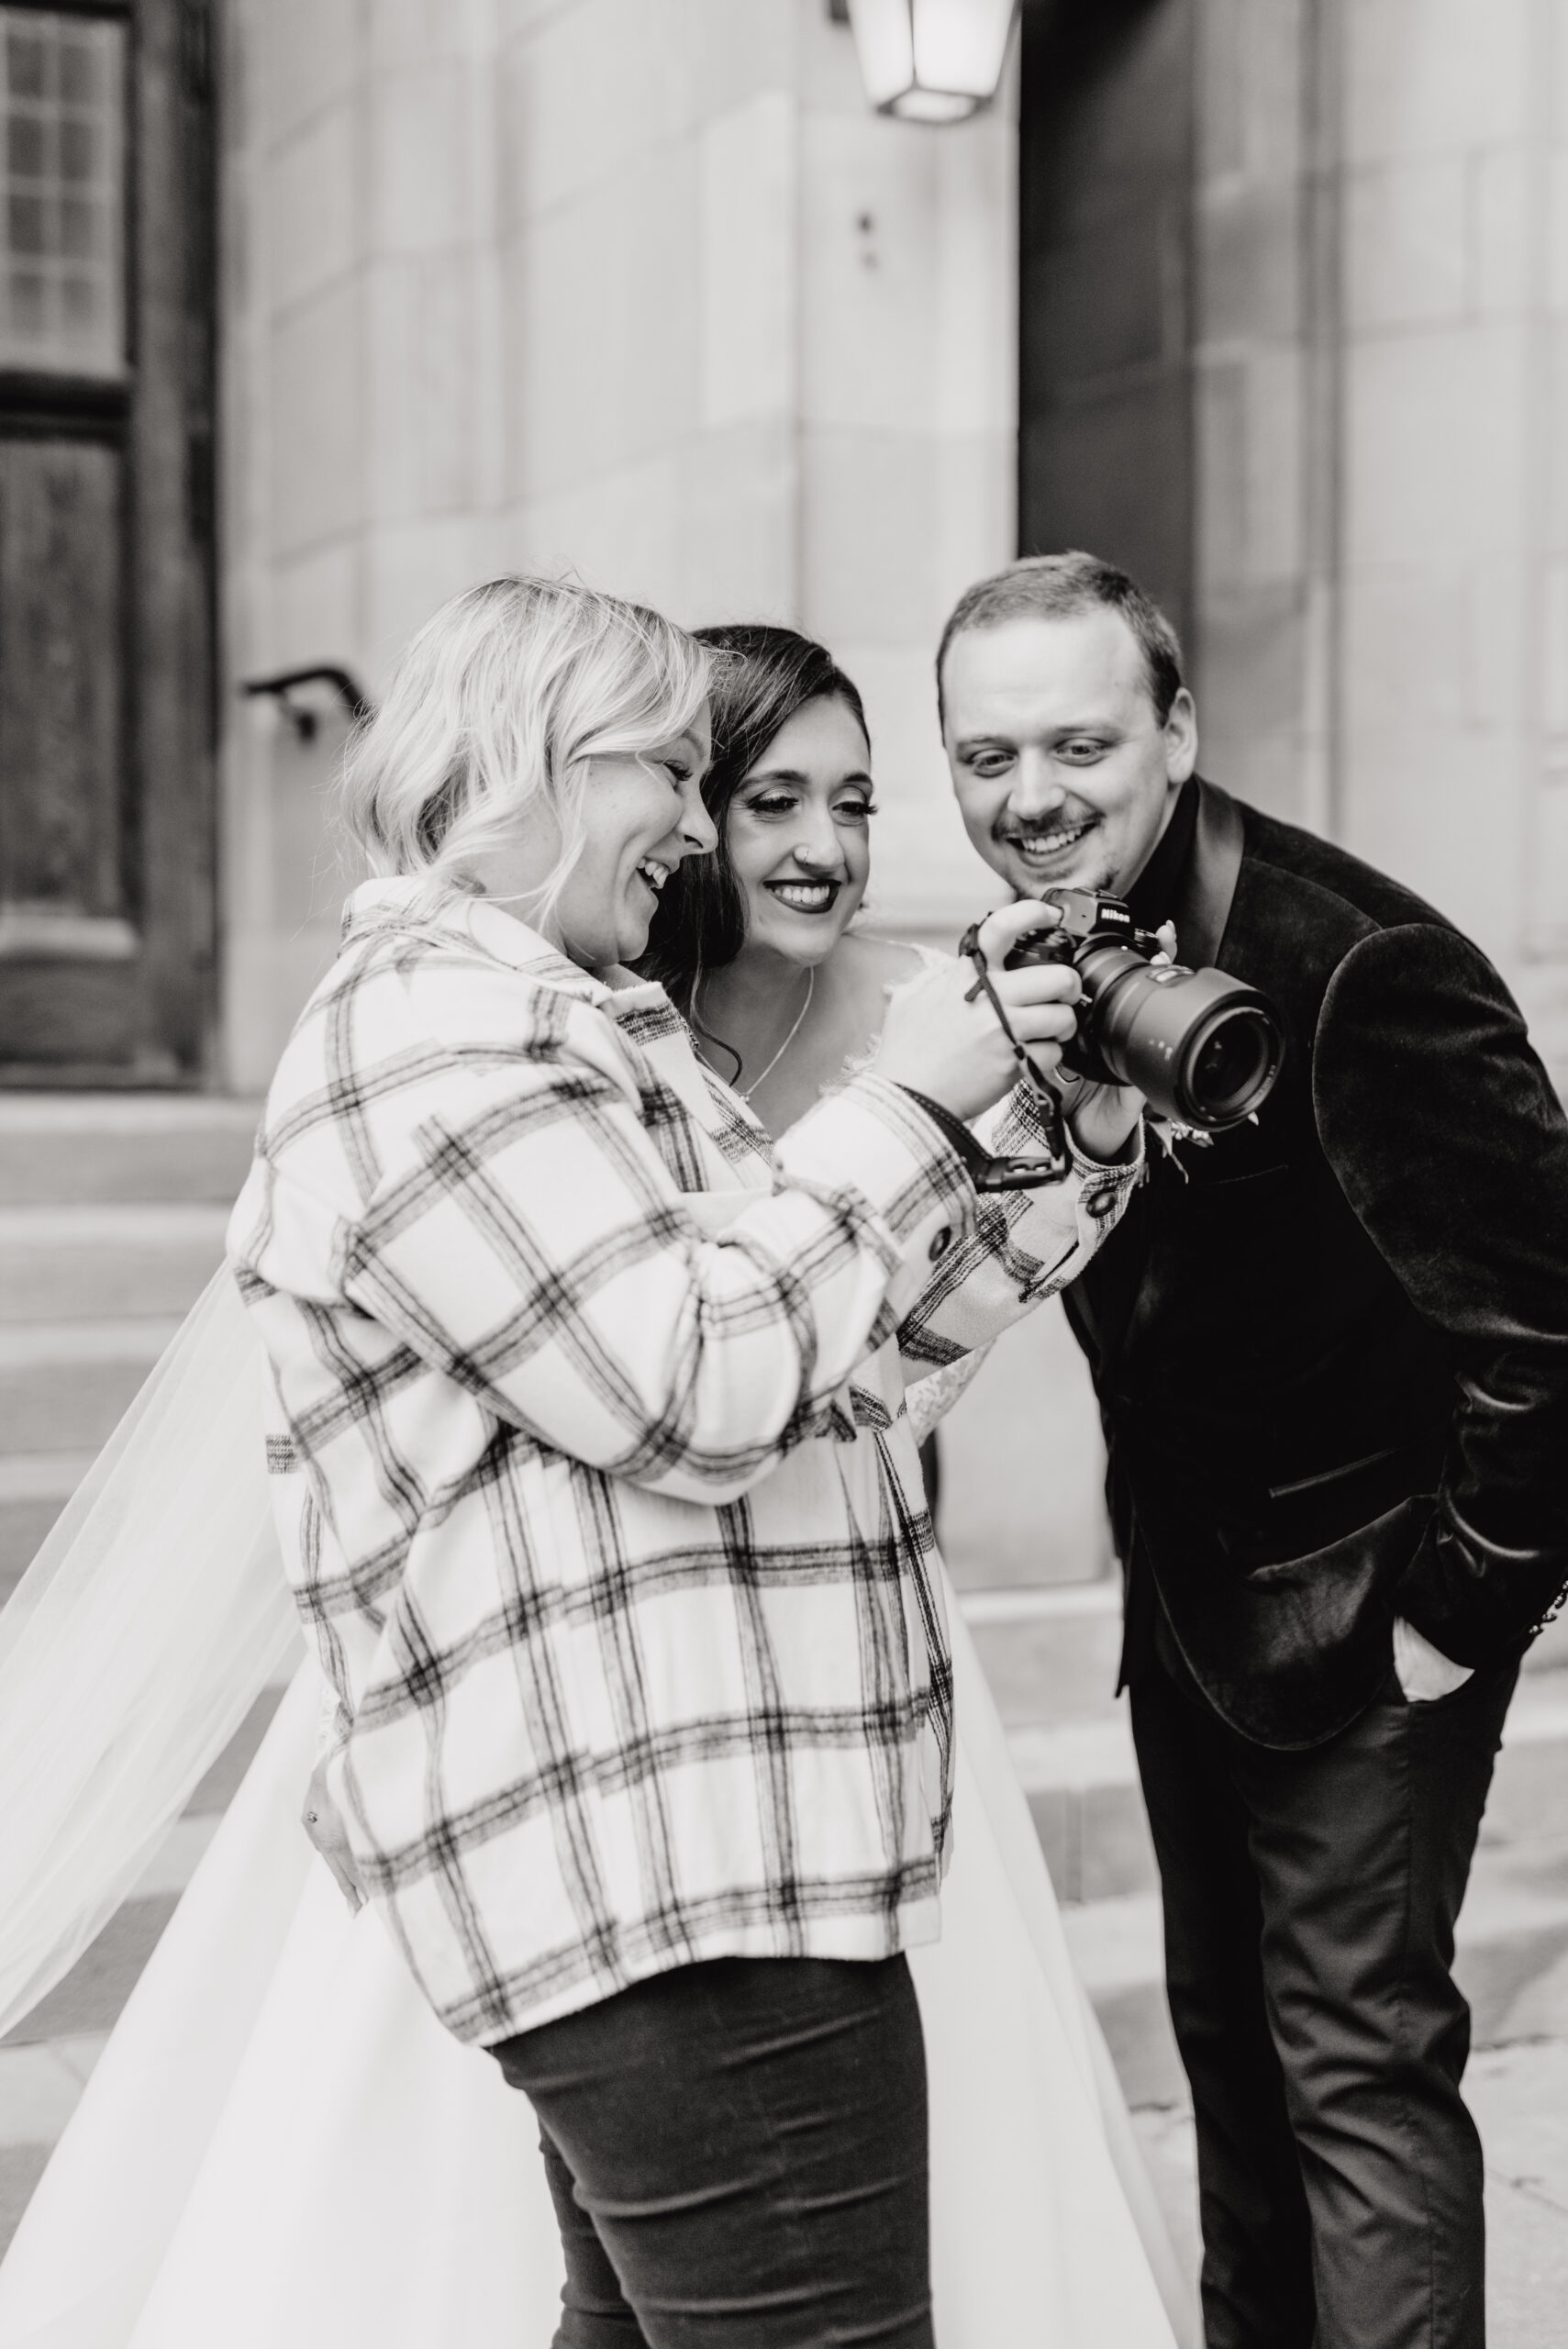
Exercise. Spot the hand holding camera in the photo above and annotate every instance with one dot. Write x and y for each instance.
(1073, 996)
(1202, 1048)
(942, 1038)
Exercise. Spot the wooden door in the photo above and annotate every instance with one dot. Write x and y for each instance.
(1105, 412)
(107, 696)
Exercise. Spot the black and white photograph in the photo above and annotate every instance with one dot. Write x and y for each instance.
(783, 1181)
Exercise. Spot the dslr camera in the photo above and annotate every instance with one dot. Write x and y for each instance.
(1201, 1047)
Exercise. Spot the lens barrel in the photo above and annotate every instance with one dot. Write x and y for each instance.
(1202, 1047)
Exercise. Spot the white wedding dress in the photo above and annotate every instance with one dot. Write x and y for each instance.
(280, 2144)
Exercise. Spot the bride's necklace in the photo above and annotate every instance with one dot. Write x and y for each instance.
(746, 1091)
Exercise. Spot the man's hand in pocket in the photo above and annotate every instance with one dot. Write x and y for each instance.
(1423, 1671)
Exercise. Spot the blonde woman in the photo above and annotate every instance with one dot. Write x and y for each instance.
(600, 1508)
(652, 1807)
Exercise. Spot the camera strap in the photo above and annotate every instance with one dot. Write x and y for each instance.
(1017, 1174)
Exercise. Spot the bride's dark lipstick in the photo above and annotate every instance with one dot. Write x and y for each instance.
(823, 895)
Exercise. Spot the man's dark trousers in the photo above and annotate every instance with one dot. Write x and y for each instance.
(1309, 1902)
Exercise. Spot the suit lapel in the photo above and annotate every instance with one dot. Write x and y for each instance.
(1208, 885)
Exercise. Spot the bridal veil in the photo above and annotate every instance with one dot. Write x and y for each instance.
(134, 1645)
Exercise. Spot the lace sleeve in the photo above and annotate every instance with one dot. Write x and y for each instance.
(927, 958)
(331, 1721)
(930, 1399)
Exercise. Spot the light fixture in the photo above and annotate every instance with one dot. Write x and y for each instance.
(931, 60)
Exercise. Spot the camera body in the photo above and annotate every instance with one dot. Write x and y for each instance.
(1091, 920)
(1205, 1049)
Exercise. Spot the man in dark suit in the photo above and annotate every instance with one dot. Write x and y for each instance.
(1331, 1354)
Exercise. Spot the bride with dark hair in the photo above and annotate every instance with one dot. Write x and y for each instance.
(281, 2142)
(756, 944)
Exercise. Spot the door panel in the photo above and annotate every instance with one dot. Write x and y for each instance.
(62, 736)
(106, 716)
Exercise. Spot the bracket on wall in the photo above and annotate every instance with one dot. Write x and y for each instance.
(303, 718)
(838, 12)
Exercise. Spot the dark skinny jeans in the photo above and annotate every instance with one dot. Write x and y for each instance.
(736, 2153)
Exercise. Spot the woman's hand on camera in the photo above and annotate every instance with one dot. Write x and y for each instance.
(954, 1051)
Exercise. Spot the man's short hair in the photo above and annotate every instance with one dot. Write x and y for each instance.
(1056, 588)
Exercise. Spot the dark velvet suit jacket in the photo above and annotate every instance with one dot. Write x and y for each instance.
(1332, 1349)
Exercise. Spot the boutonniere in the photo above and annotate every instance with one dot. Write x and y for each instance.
(1170, 1133)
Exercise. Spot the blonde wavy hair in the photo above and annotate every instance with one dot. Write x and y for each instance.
(499, 702)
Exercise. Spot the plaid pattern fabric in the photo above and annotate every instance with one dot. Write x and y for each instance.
(595, 1484)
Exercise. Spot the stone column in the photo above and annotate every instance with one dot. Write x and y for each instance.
(1382, 649)
(1266, 390)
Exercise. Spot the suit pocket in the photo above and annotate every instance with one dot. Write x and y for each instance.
(1324, 1479)
(1307, 1507)
(1372, 1554)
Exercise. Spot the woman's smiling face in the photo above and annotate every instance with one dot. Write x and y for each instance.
(641, 816)
(797, 832)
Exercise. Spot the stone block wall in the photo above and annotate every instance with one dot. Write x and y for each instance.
(638, 288)
(1263, 402)
(1381, 223)
(1455, 144)
(641, 288)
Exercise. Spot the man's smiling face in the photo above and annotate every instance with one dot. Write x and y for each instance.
(1064, 774)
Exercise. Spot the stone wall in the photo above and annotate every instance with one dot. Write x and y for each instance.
(634, 288)
(1455, 485)
(1265, 402)
(641, 288)
(1382, 232)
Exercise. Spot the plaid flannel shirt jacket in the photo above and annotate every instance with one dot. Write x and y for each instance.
(595, 1486)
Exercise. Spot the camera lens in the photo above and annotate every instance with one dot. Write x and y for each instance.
(1229, 1065)
(1204, 1048)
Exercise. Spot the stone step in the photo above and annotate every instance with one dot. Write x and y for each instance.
(1528, 1797)
(65, 1385)
(91, 1996)
(40, 2089)
(99, 1263)
(70, 1150)
(1049, 1655)
(1084, 1796)
(1082, 1784)
(1512, 1964)
(34, 1488)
